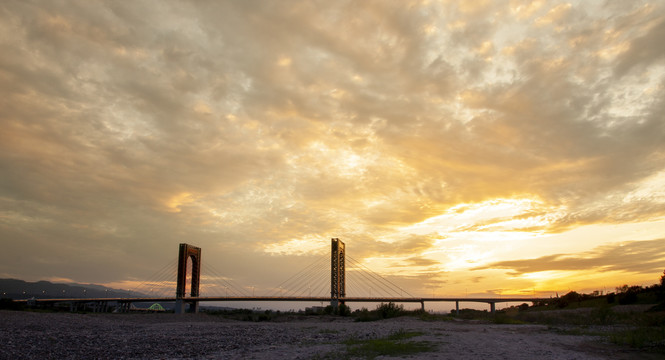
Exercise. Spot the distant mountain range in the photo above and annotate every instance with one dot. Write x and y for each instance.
(19, 289)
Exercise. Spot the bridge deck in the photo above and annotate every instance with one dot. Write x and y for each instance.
(292, 298)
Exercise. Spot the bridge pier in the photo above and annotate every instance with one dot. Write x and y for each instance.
(179, 306)
(492, 307)
(422, 306)
(193, 253)
(457, 307)
(337, 273)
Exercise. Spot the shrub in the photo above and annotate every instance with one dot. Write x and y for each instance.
(611, 297)
(382, 311)
(341, 310)
(629, 297)
(390, 310)
(366, 315)
(10, 304)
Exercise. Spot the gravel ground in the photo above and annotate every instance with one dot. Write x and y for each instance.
(29, 335)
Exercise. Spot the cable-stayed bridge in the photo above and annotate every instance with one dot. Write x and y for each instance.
(327, 279)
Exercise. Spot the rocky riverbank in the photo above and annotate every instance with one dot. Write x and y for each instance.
(30, 335)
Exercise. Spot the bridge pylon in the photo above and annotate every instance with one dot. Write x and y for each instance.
(337, 273)
(187, 252)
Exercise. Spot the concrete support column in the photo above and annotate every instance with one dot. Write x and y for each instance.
(179, 306)
(422, 306)
(492, 307)
(457, 307)
(194, 307)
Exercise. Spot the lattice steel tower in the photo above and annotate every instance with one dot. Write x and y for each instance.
(337, 280)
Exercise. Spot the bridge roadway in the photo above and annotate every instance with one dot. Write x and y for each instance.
(422, 301)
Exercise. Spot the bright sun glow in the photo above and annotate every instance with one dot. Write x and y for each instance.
(498, 214)
(176, 201)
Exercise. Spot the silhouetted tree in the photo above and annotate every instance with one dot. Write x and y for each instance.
(622, 289)
(628, 294)
(610, 298)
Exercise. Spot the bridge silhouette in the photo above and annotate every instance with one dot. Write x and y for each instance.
(191, 255)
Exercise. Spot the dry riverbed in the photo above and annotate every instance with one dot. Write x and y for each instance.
(30, 335)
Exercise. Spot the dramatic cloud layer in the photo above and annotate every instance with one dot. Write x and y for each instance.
(637, 256)
(443, 141)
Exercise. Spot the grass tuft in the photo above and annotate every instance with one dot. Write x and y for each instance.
(392, 345)
(641, 337)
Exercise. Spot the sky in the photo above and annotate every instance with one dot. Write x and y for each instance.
(471, 148)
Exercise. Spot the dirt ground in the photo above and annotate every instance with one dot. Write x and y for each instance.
(30, 335)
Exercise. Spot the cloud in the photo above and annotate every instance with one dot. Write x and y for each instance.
(641, 52)
(241, 127)
(420, 262)
(644, 257)
(408, 244)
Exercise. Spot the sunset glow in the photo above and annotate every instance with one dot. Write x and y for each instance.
(461, 148)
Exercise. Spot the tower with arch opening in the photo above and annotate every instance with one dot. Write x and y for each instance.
(188, 252)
